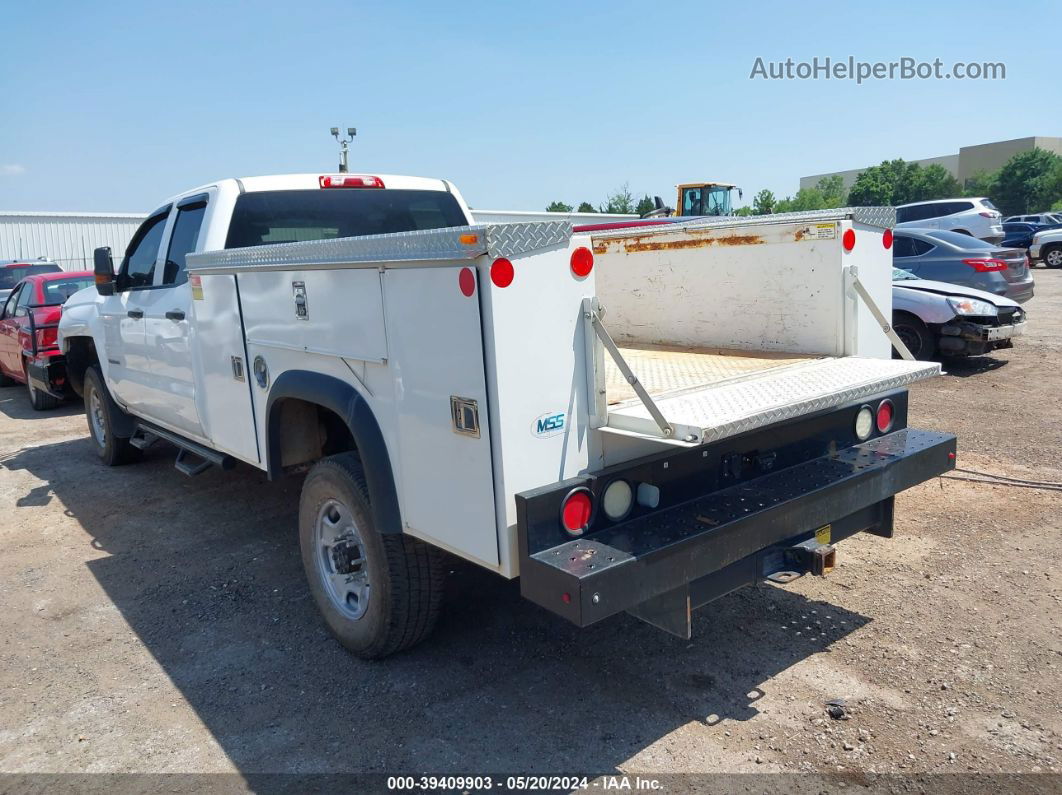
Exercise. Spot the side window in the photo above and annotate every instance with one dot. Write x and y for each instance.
(921, 247)
(138, 267)
(958, 207)
(901, 246)
(932, 211)
(9, 305)
(183, 239)
(23, 301)
(903, 215)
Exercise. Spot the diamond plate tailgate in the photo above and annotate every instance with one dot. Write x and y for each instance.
(786, 393)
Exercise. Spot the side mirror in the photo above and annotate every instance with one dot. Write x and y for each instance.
(103, 268)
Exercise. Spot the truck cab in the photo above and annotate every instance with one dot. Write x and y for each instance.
(143, 330)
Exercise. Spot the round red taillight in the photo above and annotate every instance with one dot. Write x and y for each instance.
(886, 414)
(848, 239)
(886, 239)
(582, 262)
(576, 511)
(501, 272)
(466, 280)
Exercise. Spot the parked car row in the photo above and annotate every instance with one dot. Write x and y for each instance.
(955, 295)
(29, 320)
(975, 217)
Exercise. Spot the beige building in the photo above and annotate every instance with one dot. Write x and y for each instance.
(969, 161)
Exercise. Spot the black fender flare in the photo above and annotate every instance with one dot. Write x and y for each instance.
(347, 403)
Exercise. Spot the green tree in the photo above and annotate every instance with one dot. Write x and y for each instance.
(586, 207)
(742, 212)
(899, 182)
(1028, 182)
(621, 201)
(932, 182)
(983, 183)
(805, 199)
(558, 207)
(834, 194)
(645, 205)
(763, 203)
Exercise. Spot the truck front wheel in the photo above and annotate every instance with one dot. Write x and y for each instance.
(378, 593)
(101, 411)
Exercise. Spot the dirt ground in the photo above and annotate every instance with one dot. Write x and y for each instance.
(154, 622)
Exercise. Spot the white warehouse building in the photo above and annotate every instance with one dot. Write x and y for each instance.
(65, 238)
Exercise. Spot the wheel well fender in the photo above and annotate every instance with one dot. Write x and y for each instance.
(346, 403)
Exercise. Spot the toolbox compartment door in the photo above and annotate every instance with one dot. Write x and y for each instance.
(435, 348)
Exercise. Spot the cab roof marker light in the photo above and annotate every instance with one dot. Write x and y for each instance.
(349, 181)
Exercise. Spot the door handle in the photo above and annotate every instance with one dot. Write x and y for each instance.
(136, 314)
(175, 314)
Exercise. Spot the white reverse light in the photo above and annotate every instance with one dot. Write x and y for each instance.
(864, 423)
(617, 500)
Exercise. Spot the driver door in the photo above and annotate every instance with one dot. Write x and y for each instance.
(9, 351)
(128, 363)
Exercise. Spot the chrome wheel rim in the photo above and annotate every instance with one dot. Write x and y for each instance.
(341, 563)
(95, 413)
(1054, 258)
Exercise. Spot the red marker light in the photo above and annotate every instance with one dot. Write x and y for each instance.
(848, 239)
(466, 280)
(886, 239)
(582, 262)
(576, 511)
(348, 181)
(501, 272)
(885, 415)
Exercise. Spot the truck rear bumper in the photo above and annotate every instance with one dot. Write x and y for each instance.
(660, 566)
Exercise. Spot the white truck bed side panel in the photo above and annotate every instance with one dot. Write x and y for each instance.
(770, 287)
(767, 283)
(444, 477)
(344, 312)
(536, 371)
(223, 399)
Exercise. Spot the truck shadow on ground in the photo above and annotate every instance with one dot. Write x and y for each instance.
(14, 402)
(206, 572)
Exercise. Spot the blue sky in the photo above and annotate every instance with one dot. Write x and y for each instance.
(113, 106)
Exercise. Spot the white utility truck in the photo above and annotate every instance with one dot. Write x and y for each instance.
(635, 420)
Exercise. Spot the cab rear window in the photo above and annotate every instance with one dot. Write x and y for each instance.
(291, 216)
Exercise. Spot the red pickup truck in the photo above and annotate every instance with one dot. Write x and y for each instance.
(29, 321)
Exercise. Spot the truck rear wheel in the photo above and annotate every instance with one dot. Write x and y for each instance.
(378, 593)
(101, 411)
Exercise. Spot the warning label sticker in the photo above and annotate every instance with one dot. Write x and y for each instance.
(819, 232)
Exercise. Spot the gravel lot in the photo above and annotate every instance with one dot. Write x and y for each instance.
(154, 622)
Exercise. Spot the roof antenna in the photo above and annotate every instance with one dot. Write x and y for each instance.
(344, 146)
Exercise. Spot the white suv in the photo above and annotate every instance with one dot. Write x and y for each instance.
(977, 217)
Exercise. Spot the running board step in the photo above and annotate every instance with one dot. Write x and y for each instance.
(192, 457)
(142, 439)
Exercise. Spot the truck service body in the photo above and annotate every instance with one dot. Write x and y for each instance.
(628, 419)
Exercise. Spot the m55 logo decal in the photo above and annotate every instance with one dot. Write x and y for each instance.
(547, 425)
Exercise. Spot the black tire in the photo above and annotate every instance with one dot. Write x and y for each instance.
(41, 401)
(1052, 256)
(113, 450)
(406, 575)
(915, 335)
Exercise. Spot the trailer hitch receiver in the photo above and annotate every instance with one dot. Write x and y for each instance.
(818, 559)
